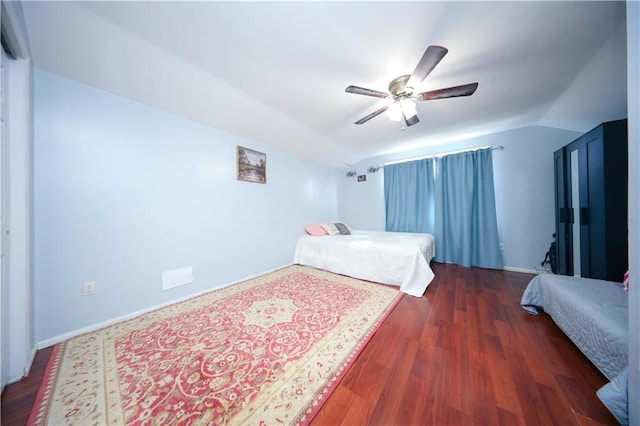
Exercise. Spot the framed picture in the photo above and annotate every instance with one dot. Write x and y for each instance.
(252, 165)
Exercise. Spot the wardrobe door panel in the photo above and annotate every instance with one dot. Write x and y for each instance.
(563, 238)
(578, 202)
(596, 209)
(615, 198)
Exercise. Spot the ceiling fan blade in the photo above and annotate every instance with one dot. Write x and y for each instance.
(411, 120)
(432, 56)
(373, 114)
(449, 92)
(368, 92)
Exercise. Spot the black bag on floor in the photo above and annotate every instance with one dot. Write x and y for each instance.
(550, 256)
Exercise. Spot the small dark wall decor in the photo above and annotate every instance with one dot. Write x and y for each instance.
(362, 178)
(252, 165)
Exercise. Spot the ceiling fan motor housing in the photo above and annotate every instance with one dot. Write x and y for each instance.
(398, 86)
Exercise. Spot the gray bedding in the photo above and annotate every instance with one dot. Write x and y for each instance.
(594, 315)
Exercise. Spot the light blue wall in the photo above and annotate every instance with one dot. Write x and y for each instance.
(123, 192)
(523, 179)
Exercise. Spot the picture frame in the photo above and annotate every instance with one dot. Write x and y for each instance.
(251, 165)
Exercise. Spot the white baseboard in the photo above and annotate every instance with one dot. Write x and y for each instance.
(535, 271)
(62, 337)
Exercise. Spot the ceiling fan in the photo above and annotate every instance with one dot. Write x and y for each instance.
(401, 90)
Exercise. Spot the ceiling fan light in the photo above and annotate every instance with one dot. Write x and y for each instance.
(408, 107)
(395, 112)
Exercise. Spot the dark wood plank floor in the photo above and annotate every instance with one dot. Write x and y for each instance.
(465, 353)
(18, 398)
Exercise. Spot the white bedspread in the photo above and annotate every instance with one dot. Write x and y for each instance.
(395, 258)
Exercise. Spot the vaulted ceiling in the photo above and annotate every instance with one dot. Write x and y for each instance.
(276, 72)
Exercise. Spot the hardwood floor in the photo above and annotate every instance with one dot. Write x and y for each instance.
(465, 353)
(18, 398)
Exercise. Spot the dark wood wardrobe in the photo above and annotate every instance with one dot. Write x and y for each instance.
(591, 204)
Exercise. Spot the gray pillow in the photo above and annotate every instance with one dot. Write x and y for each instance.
(344, 230)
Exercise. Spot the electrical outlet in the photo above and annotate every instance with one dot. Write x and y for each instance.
(501, 246)
(89, 288)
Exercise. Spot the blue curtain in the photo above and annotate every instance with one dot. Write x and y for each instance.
(466, 229)
(409, 191)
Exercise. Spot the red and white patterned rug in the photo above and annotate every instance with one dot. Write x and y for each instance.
(265, 351)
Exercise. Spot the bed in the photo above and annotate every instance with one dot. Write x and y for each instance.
(594, 315)
(395, 258)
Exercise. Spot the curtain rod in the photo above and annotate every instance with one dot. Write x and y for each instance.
(374, 169)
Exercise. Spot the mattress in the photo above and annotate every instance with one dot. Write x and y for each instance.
(395, 258)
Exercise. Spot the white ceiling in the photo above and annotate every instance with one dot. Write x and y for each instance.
(275, 72)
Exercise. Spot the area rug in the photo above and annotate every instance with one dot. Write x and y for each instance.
(264, 351)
